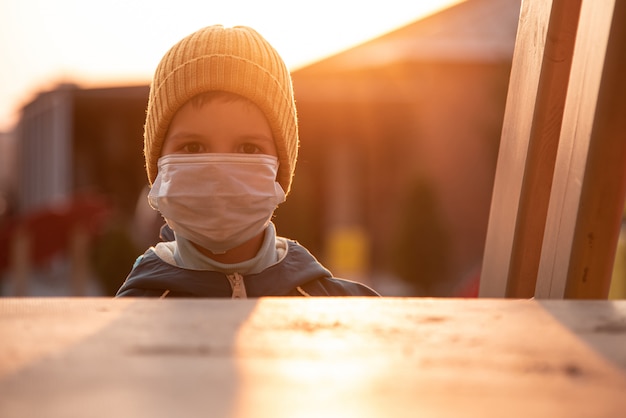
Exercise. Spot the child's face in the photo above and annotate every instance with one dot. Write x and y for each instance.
(219, 126)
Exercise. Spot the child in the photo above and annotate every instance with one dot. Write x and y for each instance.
(221, 142)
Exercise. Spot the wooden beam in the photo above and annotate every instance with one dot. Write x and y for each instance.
(589, 184)
(561, 178)
(524, 86)
(544, 140)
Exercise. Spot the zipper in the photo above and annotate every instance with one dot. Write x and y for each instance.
(238, 286)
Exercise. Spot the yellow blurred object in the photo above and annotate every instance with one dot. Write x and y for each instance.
(347, 252)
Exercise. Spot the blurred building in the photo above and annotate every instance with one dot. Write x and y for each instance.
(78, 170)
(399, 145)
(7, 175)
(75, 141)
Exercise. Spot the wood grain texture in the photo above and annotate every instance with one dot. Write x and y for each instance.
(560, 182)
(604, 191)
(313, 357)
(518, 120)
(542, 149)
(587, 195)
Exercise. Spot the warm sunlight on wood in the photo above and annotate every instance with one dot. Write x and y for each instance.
(333, 359)
(315, 357)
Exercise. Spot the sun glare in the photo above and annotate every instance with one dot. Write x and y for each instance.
(311, 358)
(105, 42)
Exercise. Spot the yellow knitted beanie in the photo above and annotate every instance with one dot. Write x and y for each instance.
(236, 60)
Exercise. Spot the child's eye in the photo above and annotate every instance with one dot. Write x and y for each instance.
(251, 149)
(192, 148)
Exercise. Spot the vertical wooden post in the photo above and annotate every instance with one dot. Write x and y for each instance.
(542, 149)
(524, 86)
(589, 183)
(561, 178)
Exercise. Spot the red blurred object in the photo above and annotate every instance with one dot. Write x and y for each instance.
(50, 230)
(470, 286)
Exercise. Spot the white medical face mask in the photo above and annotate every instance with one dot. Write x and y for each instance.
(218, 201)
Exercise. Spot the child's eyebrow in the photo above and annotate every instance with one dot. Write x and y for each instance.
(256, 137)
(180, 135)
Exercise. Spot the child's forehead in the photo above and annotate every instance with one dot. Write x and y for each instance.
(213, 100)
(205, 98)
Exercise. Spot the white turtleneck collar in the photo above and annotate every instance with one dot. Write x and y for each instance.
(184, 254)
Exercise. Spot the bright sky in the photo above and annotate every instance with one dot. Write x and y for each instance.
(105, 42)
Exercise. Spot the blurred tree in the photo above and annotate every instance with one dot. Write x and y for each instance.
(419, 253)
(113, 256)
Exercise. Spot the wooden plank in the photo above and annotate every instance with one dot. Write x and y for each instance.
(604, 191)
(296, 357)
(588, 188)
(522, 96)
(542, 149)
